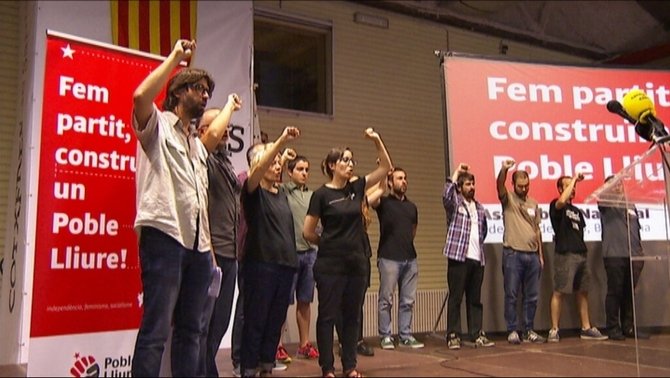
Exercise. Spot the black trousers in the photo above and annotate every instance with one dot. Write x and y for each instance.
(465, 278)
(340, 297)
(619, 300)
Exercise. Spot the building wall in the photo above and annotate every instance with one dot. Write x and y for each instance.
(390, 79)
(9, 92)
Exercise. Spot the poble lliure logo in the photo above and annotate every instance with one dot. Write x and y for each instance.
(86, 366)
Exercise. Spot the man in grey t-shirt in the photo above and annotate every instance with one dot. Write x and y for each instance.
(299, 195)
(522, 253)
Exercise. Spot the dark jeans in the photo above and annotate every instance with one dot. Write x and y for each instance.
(521, 270)
(238, 320)
(216, 317)
(342, 297)
(267, 287)
(619, 300)
(175, 280)
(465, 278)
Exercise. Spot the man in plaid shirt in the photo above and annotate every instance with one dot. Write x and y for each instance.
(464, 248)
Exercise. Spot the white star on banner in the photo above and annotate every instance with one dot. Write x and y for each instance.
(68, 52)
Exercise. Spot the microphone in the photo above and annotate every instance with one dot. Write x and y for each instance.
(641, 109)
(644, 131)
(615, 107)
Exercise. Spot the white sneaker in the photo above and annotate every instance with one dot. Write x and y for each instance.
(513, 338)
(553, 336)
(279, 366)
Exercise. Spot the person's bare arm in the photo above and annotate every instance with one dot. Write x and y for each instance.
(146, 92)
(385, 165)
(567, 191)
(502, 176)
(309, 229)
(375, 193)
(259, 167)
(217, 128)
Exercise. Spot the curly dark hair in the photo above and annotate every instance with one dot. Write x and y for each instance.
(181, 80)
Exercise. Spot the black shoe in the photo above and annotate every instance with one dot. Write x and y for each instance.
(616, 334)
(364, 349)
(630, 332)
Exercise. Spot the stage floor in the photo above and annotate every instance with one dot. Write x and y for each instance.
(571, 357)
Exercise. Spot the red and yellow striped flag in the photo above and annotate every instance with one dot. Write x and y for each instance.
(152, 25)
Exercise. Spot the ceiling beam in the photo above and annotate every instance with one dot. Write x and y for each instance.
(453, 21)
(642, 56)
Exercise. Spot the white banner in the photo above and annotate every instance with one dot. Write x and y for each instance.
(649, 215)
(103, 354)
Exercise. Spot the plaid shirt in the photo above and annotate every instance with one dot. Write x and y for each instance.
(458, 221)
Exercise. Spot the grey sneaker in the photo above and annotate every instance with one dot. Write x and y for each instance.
(236, 372)
(453, 342)
(533, 337)
(591, 334)
(513, 338)
(553, 336)
(483, 341)
(387, 343)
(411, 342)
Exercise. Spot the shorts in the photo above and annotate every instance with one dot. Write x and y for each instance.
(303, 279)
(570, 273)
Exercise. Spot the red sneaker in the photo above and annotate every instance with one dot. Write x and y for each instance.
(282, 355)
(308, 351)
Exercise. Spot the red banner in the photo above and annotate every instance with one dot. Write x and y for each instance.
(552, 120)
(87, 276)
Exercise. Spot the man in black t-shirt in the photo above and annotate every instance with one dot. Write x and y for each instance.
(396, 260)
(570, 270)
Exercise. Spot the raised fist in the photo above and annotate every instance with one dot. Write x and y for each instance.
(371, 133)
(234, 100)
(288, 154)
(507, 164)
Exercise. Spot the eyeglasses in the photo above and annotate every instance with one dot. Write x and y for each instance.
(347, 160)
(201, 89)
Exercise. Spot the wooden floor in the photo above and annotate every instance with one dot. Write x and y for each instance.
(571, 357)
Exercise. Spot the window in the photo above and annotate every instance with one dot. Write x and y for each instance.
(292, 63)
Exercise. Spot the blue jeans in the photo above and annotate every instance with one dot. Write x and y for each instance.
(216, 317)
(405, 274)
(521, 269)
(175, 280)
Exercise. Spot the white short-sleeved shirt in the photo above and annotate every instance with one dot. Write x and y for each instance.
(171, 181)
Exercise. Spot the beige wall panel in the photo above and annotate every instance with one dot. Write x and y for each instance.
(9, 69)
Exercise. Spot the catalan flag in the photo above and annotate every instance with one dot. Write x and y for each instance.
(152, 25)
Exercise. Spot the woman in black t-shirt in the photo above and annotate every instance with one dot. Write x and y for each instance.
(341, 266)
(270, 258)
